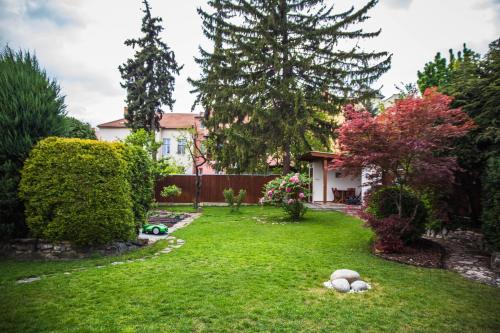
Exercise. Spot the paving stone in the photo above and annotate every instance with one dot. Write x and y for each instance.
(29, 280)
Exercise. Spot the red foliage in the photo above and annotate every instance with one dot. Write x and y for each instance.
(389, 231)
(410, 141)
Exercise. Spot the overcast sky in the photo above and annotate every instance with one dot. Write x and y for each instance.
(80, 42)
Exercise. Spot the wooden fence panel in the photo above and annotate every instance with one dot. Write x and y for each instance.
(186, 183)
(213, 185)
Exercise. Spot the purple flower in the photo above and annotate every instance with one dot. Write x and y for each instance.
(301, 195)
(290, 201)
(270, 193)
(288, 189)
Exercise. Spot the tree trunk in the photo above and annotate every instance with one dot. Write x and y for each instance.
(287, 73)
(286, 159)
(197, 189)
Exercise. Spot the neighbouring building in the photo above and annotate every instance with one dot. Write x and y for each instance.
(174, 129)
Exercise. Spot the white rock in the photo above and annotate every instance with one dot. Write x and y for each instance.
(341, 285)
(359, 285)
(328, 284)
(347, 274)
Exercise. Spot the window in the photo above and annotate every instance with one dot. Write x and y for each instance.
(166, 146)
(181, 146)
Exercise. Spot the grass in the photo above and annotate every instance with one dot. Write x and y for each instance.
(242, 272)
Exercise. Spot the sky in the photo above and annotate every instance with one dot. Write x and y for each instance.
(80, 42)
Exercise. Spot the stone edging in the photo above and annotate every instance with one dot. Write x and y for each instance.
(173, 243)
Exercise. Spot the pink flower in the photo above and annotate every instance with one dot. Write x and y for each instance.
(294, 179)
(290, 201)
(301, 195)
(288, 189)
(270, 193)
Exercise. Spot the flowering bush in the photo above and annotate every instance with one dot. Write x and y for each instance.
(289, 192)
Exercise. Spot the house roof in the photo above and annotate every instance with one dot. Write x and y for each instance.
(317, 155)
(168, 121)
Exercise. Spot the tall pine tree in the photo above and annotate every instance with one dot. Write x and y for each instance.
(278, 75)
(149, 75)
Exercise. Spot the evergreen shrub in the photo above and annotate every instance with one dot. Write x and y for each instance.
(78, 190)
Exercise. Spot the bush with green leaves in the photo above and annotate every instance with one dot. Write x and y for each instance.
(289, 192)
(234, 202)
(491, 202)
(382, 204)
(76, 128)
(141, 178)
(78, 190)
(171, 191)
(31, 108)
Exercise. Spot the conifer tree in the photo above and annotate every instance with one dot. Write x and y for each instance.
(31, 108)
(278, 74)
(149, 75)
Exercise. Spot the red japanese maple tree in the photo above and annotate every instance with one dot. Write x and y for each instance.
(410, 141)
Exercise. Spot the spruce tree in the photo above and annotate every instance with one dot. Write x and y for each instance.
(149, 75)
(278, 75)
(31, 108)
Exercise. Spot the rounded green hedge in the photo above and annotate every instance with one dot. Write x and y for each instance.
(382, 204)
(141, 178)
(78, 190)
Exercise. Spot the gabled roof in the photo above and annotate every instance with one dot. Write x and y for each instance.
(168, 121)
(317, 155)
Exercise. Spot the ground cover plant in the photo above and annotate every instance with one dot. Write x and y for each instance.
(250, 272)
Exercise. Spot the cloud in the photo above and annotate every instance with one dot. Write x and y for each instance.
(398, 4)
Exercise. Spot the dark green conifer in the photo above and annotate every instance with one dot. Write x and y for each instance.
(279, 72)
(149, 75)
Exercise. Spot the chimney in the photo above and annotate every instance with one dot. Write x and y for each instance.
(125, 111)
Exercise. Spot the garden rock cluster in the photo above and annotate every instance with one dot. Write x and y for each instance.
(346, 280)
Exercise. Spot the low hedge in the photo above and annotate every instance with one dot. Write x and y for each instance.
(78, 190)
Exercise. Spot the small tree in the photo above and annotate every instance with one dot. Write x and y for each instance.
(410, 142)
(199, 158)
(170, 192)
(234, 202)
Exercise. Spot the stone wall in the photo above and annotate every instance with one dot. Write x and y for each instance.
(31, 248)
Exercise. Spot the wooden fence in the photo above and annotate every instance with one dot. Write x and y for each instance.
(212, 187)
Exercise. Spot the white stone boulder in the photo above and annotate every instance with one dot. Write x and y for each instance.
(347, 274)
(359, 285)
(341, 285)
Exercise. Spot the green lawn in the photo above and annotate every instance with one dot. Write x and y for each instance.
(241, 273)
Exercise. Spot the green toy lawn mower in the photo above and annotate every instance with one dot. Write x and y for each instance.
(155, 229)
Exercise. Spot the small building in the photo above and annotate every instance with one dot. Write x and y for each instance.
(331, 185)
(174, 129)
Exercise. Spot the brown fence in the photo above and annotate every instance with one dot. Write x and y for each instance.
(212, 187)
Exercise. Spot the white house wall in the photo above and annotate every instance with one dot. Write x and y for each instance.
(112, 134)
(341, 183)
(119, 134)
(174, 135)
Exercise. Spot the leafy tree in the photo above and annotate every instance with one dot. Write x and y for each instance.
(78, 129)
(149, 75)
(473, 83)
(411, 142)
(438, 73)
(31, 108)
(276, 79)
(144, 139)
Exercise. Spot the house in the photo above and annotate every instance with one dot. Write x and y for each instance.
(329, 184)
(174, 129)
